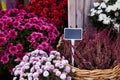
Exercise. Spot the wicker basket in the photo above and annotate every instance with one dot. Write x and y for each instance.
(97, 74)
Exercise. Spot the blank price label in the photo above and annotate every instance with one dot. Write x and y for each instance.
(73, 33)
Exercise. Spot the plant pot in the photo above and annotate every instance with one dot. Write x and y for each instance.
(84, 74)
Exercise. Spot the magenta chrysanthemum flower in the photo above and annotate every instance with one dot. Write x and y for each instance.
(13, 50)
(12, 34)
(5, 59)
(8, 20)
(34, 34)
(20, 27)
(4, 18)
(27, 26)
(2, 34)
(2, 41)
(30, 39)
(19, 56)
(40, 35)
(9, 45)
(1, 24)
(40, 47)
(21, 32)
(19, 47)
(45, 45)
(5, 27)
(16, 23)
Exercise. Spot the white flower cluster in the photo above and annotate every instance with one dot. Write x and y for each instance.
(37, 65)
(107, 12)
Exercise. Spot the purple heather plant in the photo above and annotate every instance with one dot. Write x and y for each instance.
(97, 50)
(21, 32)
(38, 65)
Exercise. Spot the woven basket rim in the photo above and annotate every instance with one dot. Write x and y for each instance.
(97, 73)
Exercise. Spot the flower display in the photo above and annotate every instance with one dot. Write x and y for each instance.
(54, 10)
(97, 50)
(37, 65)
(106, 12)
(21, 32)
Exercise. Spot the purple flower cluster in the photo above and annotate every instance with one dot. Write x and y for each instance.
(21, 32)
(38, 65)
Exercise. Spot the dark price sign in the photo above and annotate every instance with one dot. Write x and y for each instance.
(73, 33)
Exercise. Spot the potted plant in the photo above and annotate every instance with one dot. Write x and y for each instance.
(21, 32)
(39, 65)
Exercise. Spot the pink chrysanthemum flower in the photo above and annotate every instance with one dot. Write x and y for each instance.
(19, 47)
(13, 50)
(5, 59)
(2, 41)
(12, 34)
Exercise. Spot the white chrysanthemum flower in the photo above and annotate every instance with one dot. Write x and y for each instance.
(96, 4)
(67, 69)
(52, 56)
(15, 78)
(21, 63)
(73, 70)
(64, 62)
(63, 76)
(102, 17)
(29, 74)
(115, 7)
(57, 64)
(39, 71)
(103, 5)
(43, 58)
(61, 66)
(99, 11)
(17, 72)
(45, 73)
(52, 67)
(22, 79)
(22, 74)
(116, 26)
(22, 69)
(55, 70)
(69, 78)
(46, 67)
(105, 1)
(93, 12)
(35, 75)
(32, 69)
(37, 67)
(49, 59)
(30, 78)
(106, 20)
(38, 63)
(109, 8)
(25, 58)
(48, 63)
(117, 4)
(36, 78)
(57, 73)
(26, 67)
